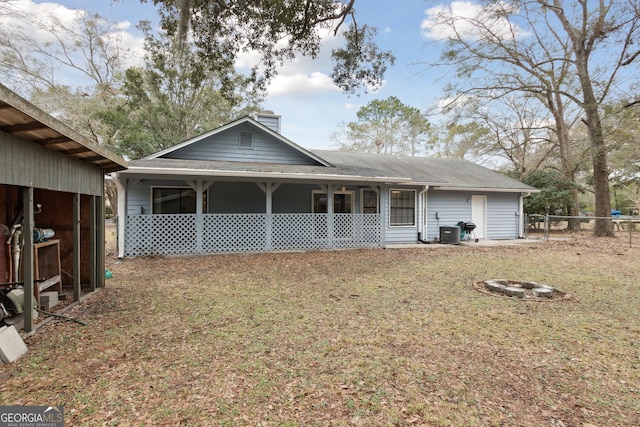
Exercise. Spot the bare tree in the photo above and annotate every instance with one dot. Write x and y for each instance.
(563, 52)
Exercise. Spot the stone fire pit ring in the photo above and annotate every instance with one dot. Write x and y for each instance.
(520, 289)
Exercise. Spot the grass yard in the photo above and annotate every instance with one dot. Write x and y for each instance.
(393, 337)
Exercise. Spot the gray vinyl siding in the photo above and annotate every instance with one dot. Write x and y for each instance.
(28, 164)
(503, 216)
(455, 206)
(398, 234)
(451, 207)
(224, 146)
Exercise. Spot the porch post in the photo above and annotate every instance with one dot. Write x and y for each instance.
(330, 215)
(269, 217)
(382, 212)
(199, 186)
(199, 217)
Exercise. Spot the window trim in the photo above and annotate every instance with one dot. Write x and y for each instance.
(413, 225)
(377, 193)
(350, 192)
(205, 198)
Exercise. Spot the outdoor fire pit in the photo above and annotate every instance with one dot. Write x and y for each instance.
(525, 290)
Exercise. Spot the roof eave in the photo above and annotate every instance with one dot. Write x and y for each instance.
(486, 189)
(261, 175)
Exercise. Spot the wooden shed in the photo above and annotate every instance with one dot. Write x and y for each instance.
(52, 191)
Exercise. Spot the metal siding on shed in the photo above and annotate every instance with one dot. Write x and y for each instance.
(29, 165)
(224, 146)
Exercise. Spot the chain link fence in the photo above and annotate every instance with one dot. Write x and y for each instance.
(549, 225)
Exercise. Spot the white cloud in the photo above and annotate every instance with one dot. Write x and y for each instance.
(302, 76)
(298, 84)
(469, 20)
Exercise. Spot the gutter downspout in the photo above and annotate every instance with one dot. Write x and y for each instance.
(422, 204)
(121, 214)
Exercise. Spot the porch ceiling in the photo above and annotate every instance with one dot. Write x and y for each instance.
(21, 118)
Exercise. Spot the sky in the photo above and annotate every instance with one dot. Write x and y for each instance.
(311, 107)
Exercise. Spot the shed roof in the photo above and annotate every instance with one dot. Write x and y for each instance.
(21, 118)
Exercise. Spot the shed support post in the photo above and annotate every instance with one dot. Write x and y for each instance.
(76, 247)
(93, 242)
(27, 257)
(100, 255)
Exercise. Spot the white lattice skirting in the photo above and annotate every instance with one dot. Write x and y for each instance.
(229, 233)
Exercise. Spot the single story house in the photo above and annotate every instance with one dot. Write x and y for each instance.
(244, 187)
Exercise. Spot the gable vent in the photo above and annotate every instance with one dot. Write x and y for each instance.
(246, 140)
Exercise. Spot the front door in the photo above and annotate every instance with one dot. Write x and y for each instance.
(479, 215)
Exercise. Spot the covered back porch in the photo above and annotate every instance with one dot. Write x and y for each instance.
(233, 216)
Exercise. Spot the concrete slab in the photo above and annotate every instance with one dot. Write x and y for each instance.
(11, 345)
(48, 300)
(465, 243)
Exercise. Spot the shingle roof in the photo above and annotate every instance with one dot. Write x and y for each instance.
(352, 166)
(428, 170)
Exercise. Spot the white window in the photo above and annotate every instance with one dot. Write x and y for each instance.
(342, 202)
(175, 200)
(402, 208)
(369, 201)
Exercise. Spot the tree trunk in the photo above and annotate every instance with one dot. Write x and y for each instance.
(111, 193)
(556, 106)
(603, 226)
(582, 43)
